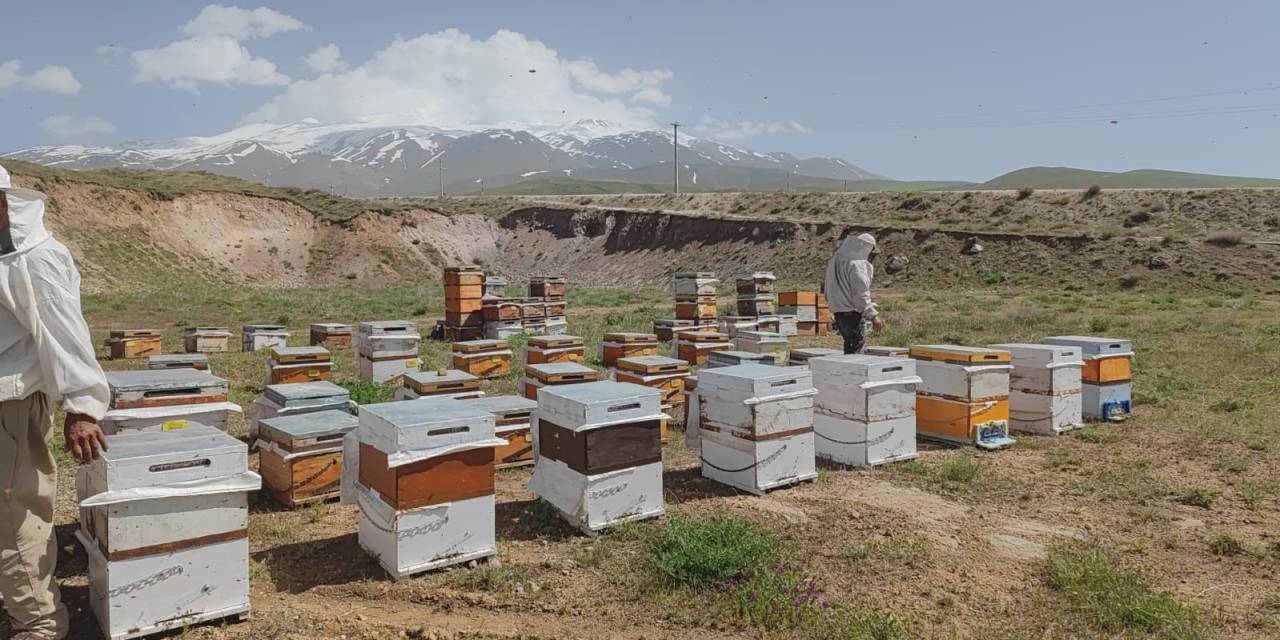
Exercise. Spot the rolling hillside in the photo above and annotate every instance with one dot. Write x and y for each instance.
(1071, 178)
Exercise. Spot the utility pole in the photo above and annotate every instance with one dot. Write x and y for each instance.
(481, 186)
(789, 181)
(441, 179)
(675, 156)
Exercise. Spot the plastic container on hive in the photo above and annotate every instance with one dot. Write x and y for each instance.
(865, 411)
(198, 361)
(164, 521)
(755, 426)
(300, 456)
(1106, 389)
(964, 395)
(599, 453)
(448, 383)
(256, 337)
(426, 483)
(1044, 388)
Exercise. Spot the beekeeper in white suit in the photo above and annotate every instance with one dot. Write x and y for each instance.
(848, 290)
(46, 360)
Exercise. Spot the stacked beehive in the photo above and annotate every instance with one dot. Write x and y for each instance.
(448, 383)
(549, 349)
(386, 349)
(426, 483)
(626, 345)
(731, 325)
(756, 426)
(813, 317)
(865, 411)
(801, 357)
(463, 303)
(503, 318)
(665, 329)
(963, 395)
(206, 339)
(482, 358)
(134, 343)
(164, 520)
(179, 361)
(256, 337)
(288, 365)
(763, 342)
(513, 417)
(330, 334)
(755, 294)
(694, 346)
(599, 453)
(1107, 379)
(695, 294)
(667, 375)
(554, 374)
(166, 400)
(549, 290)
(300, 456)
(1044, 387)
(495, 287)
(294, 399)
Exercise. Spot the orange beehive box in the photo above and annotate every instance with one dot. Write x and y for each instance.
(961, 422)
(463, 291)
(554, 374)
(459, 334)
(798, 298)
(134, 343)
(467, 319)
(557, 348)
(669, 384)
(1107, 369)
(498, 310)
(447, 478)
(463, 276)
(696, 353)
(807, 329)
(490, 364)
(553, 308)
(695, 310)
(464, 305)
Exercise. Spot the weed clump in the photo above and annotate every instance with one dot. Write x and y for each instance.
(1025, 193)
(1225, 239)
(1117, 599)
(709, 552)
(1090, 193)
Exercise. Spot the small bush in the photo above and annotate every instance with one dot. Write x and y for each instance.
(1099, 324)
(1198, 496)
(1090, 193)
(1025, 193)
(1118, 599)
(1225, 239)
(1252, 496)
(960, 470)
(1225, 544)
(1130, 281)
(708, 552)
(1136, 218)
(368, 392)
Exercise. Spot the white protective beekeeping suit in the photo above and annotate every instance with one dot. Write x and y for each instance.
(44, 342)
(849, 273)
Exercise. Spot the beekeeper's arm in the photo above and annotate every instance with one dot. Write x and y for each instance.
(72, 375)
(863, 272)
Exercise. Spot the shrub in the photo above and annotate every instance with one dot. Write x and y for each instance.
(1136, 218)
(368, 392)
(1025, 193)
(1090, 193)
(1117, 599)
(1225, 239)
(1099, 324)
(960, 470)
(708, 552)
(1096, 435)
(1225, 544)
(1197, 496)
(1130, 281)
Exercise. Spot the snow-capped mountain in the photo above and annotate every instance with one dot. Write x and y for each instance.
(367, 159)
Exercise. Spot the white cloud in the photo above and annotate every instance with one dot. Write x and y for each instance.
(326, 59)
(49, 78)
(74, 127)
(213, 53)
(241, 24)
(728, 131)
(449, 78)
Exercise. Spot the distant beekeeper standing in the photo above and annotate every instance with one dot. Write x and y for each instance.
(848, 290)
(46, 359)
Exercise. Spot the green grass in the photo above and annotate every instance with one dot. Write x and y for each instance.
(961, 471)
(708, 552)
(1095, 435)
(363, 392)
(1202, 497)
(1117, 599)
(1225, 544)
(868, 623)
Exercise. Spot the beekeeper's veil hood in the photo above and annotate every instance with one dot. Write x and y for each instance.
(26, 217)
(857, 247)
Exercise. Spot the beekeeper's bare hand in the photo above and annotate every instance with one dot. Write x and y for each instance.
(84, 437)
(877, 324)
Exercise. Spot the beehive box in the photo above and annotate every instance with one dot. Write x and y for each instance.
(735, 358)
(300, 456)
(807, 328)
(463, 276)
(656, 372)
(555, 348)
(699, 283)
(555, 307)
(169, 418)
(482, 358)
(257, 337)
(500, 310)
(544, 286)
(164, 521)
(1106, 391)
(599, 453)
(495, 286)
(626, 345)
(330, 334)
(206, 339)
(294, 399)
(197, 361)
(887, 352)
(755, 426)
(788, 326)
(1044, 388)
(554, 374)
(964, 395)
(691, 412)
(385, 368)
(802, 314)
(731, 325)
(695, 346)
(387, 338)
(498, 330)
(288, 365)
(757, 305)
(864, 413)
(800, 356)
(134, 343)
(461, 334)
(165, 388)
(556, 326)
(761, 342)
(449, 383)
(665, 329)
(513, 417)
(699, 309)
(426, 474)
(465, 319)
(750, 284)
(798, 299)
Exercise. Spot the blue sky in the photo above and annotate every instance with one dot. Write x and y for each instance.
(958, 90)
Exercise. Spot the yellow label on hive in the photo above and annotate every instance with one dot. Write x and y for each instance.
(313, 374)
(411, 363)
(173, 425)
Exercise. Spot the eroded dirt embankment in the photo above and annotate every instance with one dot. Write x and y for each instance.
(126, 238)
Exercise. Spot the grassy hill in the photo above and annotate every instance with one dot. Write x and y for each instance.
(565, 186)
(1071, 178)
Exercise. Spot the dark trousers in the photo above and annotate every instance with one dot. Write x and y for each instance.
(851, 328)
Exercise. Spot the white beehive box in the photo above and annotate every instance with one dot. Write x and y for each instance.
(1111, 401)
(802, 355)
(411, 429)
(212, 414)
(885, 351)
(734, 358)
(412, 541)
(865, 388)
(964, 383)
(731, 325)
(293, 399)
(1044, 387)
(382, 369)
(394, 336)
(802, 313)
(162, 362)
(858, 443)
(151, 388)
(556, 326)
(1094, 347)
(788, 325)
(598, 403)
(256, 337)
(206, 339)
(761, 342)
(695, 284)
(164, 520)
(757, 466)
